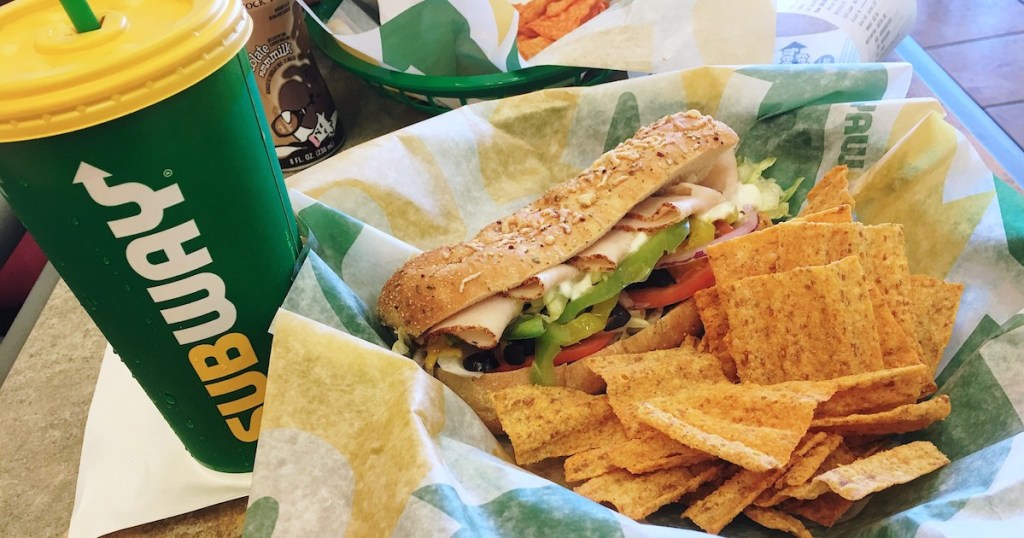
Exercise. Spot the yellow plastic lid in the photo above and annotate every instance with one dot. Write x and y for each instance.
(54, 80)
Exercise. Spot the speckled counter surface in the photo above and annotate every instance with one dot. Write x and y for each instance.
(43, 405)
(45, 399)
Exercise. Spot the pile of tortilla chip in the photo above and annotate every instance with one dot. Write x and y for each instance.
(818, 349)
(542, 22)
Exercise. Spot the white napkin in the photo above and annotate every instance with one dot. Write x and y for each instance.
(133, 469)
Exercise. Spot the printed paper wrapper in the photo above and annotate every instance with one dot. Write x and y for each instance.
(357, 441)
(473, 37)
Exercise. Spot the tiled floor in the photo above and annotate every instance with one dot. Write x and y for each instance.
(980, 43)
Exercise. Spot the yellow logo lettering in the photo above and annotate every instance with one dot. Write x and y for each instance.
(231, 354)
(253, 379)
(240, 432)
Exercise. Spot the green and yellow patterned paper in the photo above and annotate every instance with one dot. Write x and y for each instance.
(356, 441)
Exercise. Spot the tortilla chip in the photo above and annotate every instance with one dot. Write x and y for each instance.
(637, 496)
(829, 328)
(590, 463)
(803, 469)
(655, 373)
(798, 461)
(842, 455)
(714, 512)
(830, 191)
(668, 332)
(808, 490)
(898, 348)
(903, 419)
(557, 7)
(803, 244)
(571, 17)
(544, 422)
(653, 451)
(824, 510)
(843, 213)
(882, 470)
(881, 250)
(935, 304)
(774, 519)
(754, 427)
(885, 262)
(685, 362)
(531, 46)
(750, 255)
(531, 11)
(716, 328)
(872, 392)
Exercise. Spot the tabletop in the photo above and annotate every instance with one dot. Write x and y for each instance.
(45, 399)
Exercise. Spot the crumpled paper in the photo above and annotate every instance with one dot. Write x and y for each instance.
(357, 440)
(458, 37)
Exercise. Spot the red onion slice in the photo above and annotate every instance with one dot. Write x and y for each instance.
(745, 226)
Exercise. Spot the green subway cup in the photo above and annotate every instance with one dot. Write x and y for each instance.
(139, 158)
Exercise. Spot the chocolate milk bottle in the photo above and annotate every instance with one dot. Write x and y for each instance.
(303, 120)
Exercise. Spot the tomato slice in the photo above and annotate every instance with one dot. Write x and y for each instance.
(687, 283)
(584, 348)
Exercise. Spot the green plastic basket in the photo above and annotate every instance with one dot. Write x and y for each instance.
(429, 93)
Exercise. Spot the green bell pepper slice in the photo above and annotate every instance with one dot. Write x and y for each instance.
(559, 335)
(634, 268)
(702, 232)
(525, 328)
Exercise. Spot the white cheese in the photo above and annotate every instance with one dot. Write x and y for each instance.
(536, 286)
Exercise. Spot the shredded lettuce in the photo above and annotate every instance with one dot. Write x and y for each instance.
(764, 194)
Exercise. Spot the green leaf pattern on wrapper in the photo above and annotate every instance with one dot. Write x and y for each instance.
(981, 399)
(796, 140)
(983, 332)
(431, 21)
(512, 61)
(625, 122)
(550, 511)
(808, 86)
(320, 295)
(261, 518)
(355, 317)
(328, 232)
(1011, 206)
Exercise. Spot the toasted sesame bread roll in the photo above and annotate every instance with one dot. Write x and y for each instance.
(561, 223)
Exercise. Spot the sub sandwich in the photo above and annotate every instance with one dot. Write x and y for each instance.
(606, 262)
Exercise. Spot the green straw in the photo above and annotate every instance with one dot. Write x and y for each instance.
(81, 15)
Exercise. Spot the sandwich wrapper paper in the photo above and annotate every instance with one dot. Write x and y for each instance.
(358, 441)
(462, 37)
